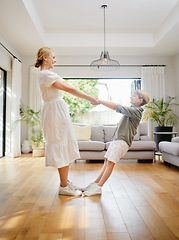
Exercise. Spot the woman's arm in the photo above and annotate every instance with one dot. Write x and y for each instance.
(108, 104)
(74, 91)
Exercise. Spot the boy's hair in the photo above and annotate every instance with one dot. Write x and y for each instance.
(142, 94)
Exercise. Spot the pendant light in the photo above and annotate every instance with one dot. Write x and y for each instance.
(104, 63)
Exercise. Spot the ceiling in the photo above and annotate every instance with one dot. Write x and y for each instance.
(133, 27)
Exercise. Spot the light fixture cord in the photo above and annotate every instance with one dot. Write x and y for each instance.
(104, 6)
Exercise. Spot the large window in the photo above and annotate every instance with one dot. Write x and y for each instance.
(2, 111)
(116, 90)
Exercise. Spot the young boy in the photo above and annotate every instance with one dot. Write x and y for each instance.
(122, 138)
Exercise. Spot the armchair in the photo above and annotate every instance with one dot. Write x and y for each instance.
(170, 151)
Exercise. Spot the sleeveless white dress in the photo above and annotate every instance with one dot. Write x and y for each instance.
(61, 147)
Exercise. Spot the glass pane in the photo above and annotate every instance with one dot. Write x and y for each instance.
(116, 90)
(1, 113)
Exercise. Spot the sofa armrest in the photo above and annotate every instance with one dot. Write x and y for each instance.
(169, 147)
(175, 139)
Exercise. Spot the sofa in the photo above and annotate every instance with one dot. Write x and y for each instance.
(94, 143)
(170, 151)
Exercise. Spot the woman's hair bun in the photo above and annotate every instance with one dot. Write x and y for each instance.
(44, 51)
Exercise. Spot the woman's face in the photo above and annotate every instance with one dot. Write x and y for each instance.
(50, 60)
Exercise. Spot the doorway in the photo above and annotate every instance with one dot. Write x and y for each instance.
(3, 75)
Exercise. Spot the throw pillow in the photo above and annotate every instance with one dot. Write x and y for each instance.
(82, 133)
(137, 136)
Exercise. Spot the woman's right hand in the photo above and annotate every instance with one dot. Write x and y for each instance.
(94, 101)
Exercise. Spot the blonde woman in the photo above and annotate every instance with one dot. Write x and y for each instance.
(61, 145)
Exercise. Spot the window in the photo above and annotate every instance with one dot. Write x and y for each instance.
(116, 90)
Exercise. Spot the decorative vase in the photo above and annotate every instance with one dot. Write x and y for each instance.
(26, 147)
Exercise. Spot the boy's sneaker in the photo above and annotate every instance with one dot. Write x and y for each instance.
(73, 186)
(69, 191)
(88, 187)
(93, 190)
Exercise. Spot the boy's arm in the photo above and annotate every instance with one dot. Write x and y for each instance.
(108, 104)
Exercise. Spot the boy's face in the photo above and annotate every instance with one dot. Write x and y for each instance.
(136, 100)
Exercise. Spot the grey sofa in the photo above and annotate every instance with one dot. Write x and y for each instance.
(141, 149)
(170, 151)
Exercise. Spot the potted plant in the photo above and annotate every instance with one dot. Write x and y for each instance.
(32, 118)
(162, 113)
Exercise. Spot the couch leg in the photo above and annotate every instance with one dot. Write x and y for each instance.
(167, 163)
(145, 161)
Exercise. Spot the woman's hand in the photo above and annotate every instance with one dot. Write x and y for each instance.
(94, 101)
(62, 85)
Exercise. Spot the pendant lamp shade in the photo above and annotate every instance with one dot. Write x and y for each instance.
(104, 62)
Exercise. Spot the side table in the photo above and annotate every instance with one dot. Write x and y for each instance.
(157, 152)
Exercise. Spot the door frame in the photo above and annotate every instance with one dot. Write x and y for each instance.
(4, 112)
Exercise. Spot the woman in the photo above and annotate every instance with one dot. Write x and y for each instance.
(61, 145)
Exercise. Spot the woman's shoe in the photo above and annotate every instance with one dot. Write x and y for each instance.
(69, 191)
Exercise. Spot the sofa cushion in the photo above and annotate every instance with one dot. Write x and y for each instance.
(107, 145)
(145, 138)
(97, 133)
(175, 139)
(139, 145)
(108, 133)
(143, 131)
(92, 155)
(142, 145)
(91, 145)
(82, 133)
(169, 147)
(137, 137)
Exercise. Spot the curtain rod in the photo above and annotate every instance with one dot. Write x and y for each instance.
(78, 65)
(10, 52)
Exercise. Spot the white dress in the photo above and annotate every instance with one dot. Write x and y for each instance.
(61, 145)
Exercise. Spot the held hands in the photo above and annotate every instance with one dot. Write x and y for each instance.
(94, 101)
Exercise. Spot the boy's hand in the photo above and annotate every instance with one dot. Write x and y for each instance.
(108, 104)
(94, 101)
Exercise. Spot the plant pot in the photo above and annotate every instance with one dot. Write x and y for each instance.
(162, 137)
(26, 147)
(38, 152)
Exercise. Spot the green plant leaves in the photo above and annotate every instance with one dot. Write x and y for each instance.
(161, 112)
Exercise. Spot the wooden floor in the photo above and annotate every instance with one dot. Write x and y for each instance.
(139, 202)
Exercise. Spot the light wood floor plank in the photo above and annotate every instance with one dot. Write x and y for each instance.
(155, 224)
(117, 236)
(31, 229)
(45, 236)
(173, 224)
(152, 197)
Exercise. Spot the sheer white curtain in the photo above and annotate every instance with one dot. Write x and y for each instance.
(153, 82)
(35, 100)
(15, 107)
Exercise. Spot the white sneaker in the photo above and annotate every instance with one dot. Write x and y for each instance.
(69, 190)
(88, 187)
(93, 190)
(73, 186)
